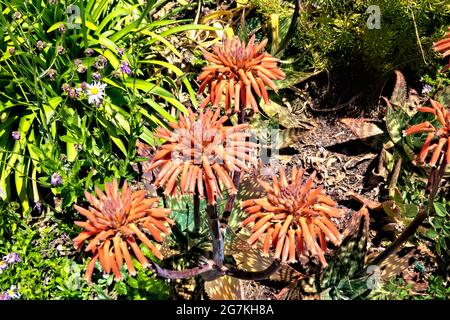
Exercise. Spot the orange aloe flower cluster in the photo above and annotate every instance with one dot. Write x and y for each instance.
(240, 71)
(437, 138)
(443, 46)
(202, 152)
(293, 217)
(115, 221)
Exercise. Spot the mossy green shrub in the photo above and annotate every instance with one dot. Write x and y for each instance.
(341, 35)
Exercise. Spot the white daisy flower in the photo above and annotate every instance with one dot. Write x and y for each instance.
(13, 292)
(96, 92)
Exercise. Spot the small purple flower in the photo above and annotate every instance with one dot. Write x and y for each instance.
(96, 76)
(89, 52)
(81, 68)
(125, 67)
(38, 206)
(60, 50)
(17, 15)
(56, 179)
(83, 85)
(427, 89)
(51, 74)
(65, 87)
(12, 50)
(100, 62)
(120, 52)
(4, 296)
(11, 258)
(72, 93)
(15, 135)
(40, 45)
(3, 266)
(116, 74)
(62, 28)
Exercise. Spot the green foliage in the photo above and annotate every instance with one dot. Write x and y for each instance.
(48, 268)
(334, 34)
(45, 270)
(185, 242)
(440, 231)
(439, 288)
(397, 289)
(268, 7)
(329, 33)
(347, 277)
(440, 85)
(144, 286)
(47, 56)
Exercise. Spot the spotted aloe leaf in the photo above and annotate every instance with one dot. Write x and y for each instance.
(396, 120)
(366, 130)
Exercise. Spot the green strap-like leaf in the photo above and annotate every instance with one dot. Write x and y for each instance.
(20, 179)
(186, 27)
(24, 127)
(150, 87)
(179, 73)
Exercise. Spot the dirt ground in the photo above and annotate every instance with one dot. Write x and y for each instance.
(343, 162)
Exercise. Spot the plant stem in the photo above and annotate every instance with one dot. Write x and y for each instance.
(409, 231)
(419, 43)
(211, 272)
(196, 213)
(437, 176)
(236, 181)
(254, 275)
(157, 6)
(435, 180)
(230, 202)
(395, 175)
(216, 235)
(181, 274)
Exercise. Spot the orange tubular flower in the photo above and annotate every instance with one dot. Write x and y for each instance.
(293, 218)
(443, 46)
(240, 71)
(202, 152)
(115, 221)
(437, 139)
